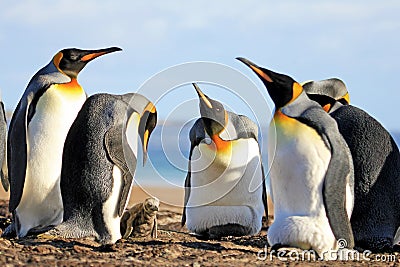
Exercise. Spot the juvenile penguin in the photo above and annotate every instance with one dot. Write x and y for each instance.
(36, 138)
(141, 219)
(376, 159)
(225, 192)
(99, 161)
(311, 174)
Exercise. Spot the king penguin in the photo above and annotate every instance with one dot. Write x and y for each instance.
(376, 159)
(225, 192)
(99, 161)
(311, 176)
(36, 138)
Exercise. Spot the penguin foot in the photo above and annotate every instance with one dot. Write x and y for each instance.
(51, 234)
(276, 247)
(359, 249)
(9, 232)
(230, 229)
(108, 248)
(40, 230)
(202, 236)
(47, 236)
(375, 244)
(4, 222)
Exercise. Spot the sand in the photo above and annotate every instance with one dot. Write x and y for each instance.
(174, 246)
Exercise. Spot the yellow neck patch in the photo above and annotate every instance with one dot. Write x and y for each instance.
(71, 88)
(284, 124)
(221, 145)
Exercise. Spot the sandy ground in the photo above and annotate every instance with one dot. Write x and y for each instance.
(173, 247)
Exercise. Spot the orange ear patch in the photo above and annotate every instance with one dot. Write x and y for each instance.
(150, 108)
(57, 59)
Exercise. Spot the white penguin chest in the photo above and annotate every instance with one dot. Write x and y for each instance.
(54, 113)
(228, 177)
(298, 160)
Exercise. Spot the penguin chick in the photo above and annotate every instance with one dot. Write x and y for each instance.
(141, 219)
(311, 175)
(225, 192)
(36, 138)
(99, 161)
(376, 159)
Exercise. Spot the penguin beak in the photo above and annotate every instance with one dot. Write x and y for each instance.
(92, 54)
(264, 74)
(203, 98)
(147, 123)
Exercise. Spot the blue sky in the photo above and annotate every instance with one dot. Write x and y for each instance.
(357, 41)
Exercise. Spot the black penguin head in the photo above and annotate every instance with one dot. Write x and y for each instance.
(282, 88)
(71, 61)
(212, 112)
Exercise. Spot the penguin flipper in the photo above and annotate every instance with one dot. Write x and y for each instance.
(334, 187)
(119, 152)
(4, 177)
(17, 151)
(127, 179)
(196, 135)
(246, 128)
(264, 193)
(187, 194)
(334, 195)
(3, 147)
(4, 172)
